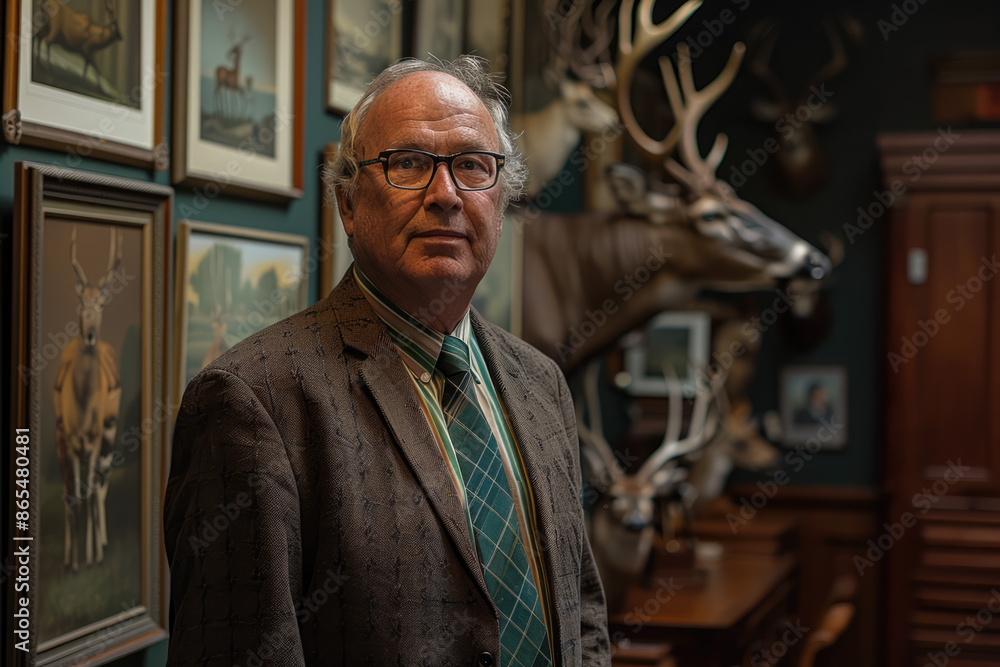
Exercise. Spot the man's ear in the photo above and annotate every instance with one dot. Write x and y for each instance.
(346, 210)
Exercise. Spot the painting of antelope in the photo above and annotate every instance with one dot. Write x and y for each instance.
(90, 538)
(238, 83)
(88, 47)
(231, 283)
(88, 286)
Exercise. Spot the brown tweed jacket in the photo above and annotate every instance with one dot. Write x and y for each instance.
(310, 520)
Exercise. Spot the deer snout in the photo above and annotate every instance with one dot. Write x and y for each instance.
(816, 266)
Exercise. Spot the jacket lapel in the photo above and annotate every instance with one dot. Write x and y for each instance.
(385, 377)
(509, 376)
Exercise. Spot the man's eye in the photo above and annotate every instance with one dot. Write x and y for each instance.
(470, 165)
(406, 163)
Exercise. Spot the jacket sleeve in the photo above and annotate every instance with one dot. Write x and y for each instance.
(232, 533)
(595, 645)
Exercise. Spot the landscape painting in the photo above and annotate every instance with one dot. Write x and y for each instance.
(233, 282)
(238, 75)
(365, 38)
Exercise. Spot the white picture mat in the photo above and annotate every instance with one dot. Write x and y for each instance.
(697, 324)
(211, 160)
(50, 106)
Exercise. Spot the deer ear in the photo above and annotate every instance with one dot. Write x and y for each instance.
(627, 183)
(766, 112)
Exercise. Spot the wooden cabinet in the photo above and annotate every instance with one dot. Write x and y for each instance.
(941, 536)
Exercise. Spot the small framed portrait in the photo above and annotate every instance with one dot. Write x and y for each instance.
(239, 98)
(439, 29)
(673, 340)
(813, 402)
(365, 37)
(88, 402)
(86, 78)
(334, 254)
(231, 283)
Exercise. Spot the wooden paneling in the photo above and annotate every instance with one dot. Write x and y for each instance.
(834, 526)
(941, 401)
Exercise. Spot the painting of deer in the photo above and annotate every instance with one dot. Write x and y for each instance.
(228, 89)
(76, 33)
(87, 396)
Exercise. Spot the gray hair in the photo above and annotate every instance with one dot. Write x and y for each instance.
(473, 71)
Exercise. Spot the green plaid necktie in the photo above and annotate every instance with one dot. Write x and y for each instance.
(523, 637)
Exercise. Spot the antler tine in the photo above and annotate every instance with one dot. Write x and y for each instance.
(594, 435)
(81, 277)
(599, 29)
(114, 255)
(837, 63)
(696, 432)
(632, 49)
(690, 104)
(763, 37)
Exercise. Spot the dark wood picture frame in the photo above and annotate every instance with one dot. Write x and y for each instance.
(51, 205)
(78, 124)
(245, 169)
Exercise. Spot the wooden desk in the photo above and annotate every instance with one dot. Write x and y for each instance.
(742, 598)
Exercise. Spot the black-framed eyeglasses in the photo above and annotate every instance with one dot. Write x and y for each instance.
(410, 169)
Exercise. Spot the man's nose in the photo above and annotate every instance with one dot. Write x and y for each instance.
(442, 191)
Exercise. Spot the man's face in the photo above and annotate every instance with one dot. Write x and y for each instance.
(410, 241)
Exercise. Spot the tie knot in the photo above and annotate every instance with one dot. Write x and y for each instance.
(454, 357)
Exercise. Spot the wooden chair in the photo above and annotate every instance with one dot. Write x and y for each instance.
(837, 617)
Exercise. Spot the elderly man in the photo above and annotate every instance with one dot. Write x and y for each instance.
(385, 478)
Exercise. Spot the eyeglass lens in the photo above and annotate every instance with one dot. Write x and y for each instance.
(415, 170)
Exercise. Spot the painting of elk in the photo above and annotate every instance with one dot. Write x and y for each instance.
(90, 47)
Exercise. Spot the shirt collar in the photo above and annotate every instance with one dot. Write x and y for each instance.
(419, 346)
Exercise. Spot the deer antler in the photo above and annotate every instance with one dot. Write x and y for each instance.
(631, 51)
(114, 256)
(701, 428)
(593, 436)
(81, 277)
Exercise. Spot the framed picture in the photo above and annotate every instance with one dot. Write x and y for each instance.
(231, 283)
(498, 296)
(334, 254)
(678, 340)
(365, 37)
(438, 29)
(239, 98)
(86, 77)
(487, 32)
(813, 403)
(88, 405)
